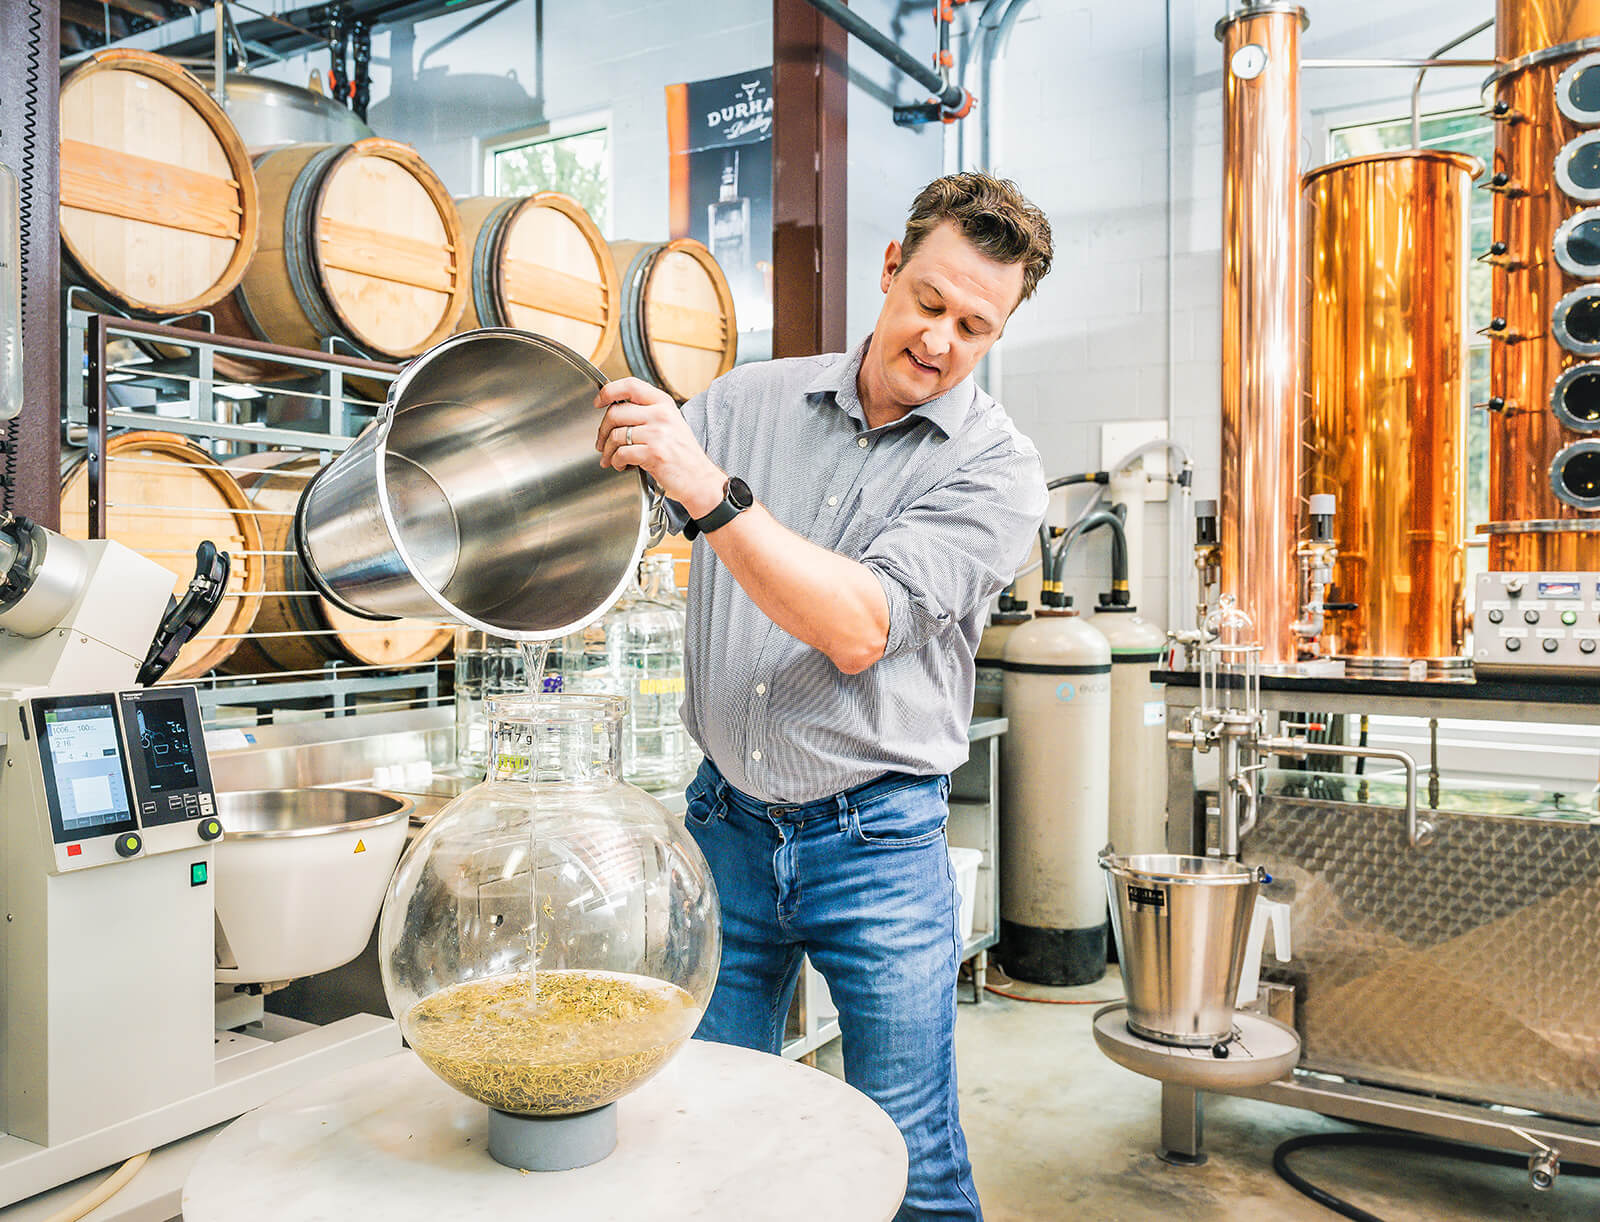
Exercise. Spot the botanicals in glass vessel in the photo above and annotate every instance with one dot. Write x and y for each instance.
(551, 939)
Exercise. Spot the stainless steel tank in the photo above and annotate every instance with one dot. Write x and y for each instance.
(1138, 787)
(268, 112)
(1054, 796)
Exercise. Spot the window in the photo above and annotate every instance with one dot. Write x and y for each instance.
(1469, 132)
(575, 162)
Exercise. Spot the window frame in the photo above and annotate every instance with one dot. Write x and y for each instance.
(564, 128)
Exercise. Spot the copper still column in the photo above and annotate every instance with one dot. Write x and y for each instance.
(1261, 323)
(1386, 375)
(1544, 375)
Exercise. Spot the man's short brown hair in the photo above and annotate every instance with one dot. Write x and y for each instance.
(989, 212)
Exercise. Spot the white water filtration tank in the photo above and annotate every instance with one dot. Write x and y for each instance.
(989, 684)
(1138, 822)
(1054, 796)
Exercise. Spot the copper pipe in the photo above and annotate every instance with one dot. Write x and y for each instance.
(1522, 27)
(1528, 358)
(1387, 252)
(1261, 324)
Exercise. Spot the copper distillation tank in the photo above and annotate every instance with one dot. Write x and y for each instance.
(1344, 376)
(1261, 320)
(1544, 371)
(1387, 253)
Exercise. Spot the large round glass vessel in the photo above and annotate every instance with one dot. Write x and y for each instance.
(551, 938)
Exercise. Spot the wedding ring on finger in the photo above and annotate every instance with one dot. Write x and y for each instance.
(627, 438)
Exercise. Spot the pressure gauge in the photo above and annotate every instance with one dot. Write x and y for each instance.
(1249, 61)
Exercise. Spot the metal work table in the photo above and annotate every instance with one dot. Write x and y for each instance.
(1494, 700)
(1365, 840)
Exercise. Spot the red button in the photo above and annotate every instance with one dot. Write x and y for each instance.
(74, 850)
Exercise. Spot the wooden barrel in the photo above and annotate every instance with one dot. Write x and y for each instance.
(164, 496)
(677, 329)
(159, 208)
(314, 631)
(540, 264)
(359, 241)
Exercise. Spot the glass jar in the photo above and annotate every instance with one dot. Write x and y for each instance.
(551, 938)
(486, 666)
(637, 650)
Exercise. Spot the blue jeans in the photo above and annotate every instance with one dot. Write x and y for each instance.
(862, 883)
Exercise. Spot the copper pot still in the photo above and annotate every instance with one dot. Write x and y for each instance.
(1387, 252)
(1544, 371)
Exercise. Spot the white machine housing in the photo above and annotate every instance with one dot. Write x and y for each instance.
(109, 1040)
(87, 621)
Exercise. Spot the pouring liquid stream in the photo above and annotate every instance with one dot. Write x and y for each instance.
(534, 656)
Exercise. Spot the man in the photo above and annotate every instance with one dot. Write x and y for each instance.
(853, 514)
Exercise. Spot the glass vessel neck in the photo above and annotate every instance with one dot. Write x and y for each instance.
(556, 739)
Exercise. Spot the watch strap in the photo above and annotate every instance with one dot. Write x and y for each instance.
(726, 511)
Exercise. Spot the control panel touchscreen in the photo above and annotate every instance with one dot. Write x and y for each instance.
(86, 785)
(166, 755)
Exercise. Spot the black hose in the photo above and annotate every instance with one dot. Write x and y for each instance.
(1119, 546)
(1081, 477)
(26, 186)
(1388, 1141)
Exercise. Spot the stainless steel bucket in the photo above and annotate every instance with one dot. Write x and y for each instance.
(1181, 925)
(477, 495)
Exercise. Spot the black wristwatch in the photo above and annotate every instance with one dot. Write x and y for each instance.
(736, 498)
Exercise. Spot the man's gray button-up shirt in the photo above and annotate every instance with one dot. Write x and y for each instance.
(942, 505)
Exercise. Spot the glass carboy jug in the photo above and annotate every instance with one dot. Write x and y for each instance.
(637, 651)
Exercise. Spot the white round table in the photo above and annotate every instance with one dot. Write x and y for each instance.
(721, 1133)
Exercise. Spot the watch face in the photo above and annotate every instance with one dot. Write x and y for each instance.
(739, 493)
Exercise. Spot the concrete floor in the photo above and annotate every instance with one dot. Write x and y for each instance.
(1057, 1131)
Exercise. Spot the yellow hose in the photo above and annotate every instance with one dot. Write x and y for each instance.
(114, 1184)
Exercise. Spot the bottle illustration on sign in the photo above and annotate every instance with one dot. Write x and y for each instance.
(728, 221)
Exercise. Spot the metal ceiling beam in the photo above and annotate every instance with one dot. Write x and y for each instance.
(184, 36)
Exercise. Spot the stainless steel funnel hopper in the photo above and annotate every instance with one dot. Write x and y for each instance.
(477, 495)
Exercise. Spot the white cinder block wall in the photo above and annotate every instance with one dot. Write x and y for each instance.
(1086, 136)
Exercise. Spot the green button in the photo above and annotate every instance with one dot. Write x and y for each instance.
(1569, 617)
(197, 874)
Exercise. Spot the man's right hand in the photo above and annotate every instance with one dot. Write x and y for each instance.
(642, 427)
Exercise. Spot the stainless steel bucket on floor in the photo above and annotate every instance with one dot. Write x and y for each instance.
(478, 495)
(1181, 924)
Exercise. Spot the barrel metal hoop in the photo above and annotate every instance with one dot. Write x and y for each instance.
(635, 348)
(299, 254)
(486, 265)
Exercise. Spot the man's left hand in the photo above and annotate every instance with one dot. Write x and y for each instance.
(642, 427)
